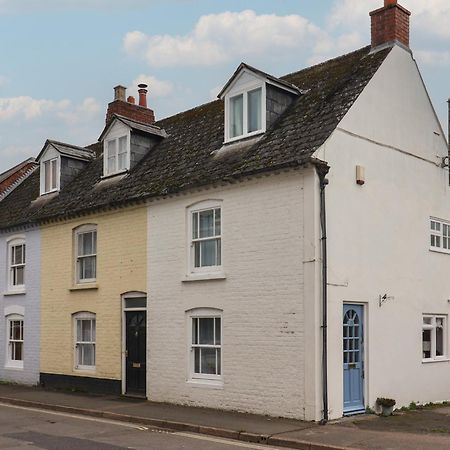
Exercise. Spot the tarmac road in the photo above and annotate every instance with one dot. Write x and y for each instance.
(25, 428)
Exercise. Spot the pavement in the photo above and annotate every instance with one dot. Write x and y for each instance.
(423, 429)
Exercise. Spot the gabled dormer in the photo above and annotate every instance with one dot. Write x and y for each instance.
(253, 101)
(59, 163)
(126, 142)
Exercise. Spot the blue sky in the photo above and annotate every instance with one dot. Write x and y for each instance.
(60, 59)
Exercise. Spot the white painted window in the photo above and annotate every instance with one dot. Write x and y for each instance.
(16, 264)
(86, 253)
(206, 239)
(244, 113)
(434, 337)
(116, 155)
(49, 175)
(84, 341)
(206, 345)
(440, 235)
(14, 330)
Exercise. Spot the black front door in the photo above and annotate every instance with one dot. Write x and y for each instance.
(136, 351)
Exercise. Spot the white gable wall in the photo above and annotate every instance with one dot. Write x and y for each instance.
(378, 235)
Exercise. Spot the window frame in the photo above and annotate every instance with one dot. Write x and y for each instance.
(439, 235)
(198, 208)
(84, 229)
(11, 243)
(432, 327)
(57, 161)
(196, 314)
(14, 363)
(244, 91)
(116, 138)
(84, 315)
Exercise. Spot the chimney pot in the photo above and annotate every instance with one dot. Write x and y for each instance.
(142, 95)
(120, 92)
(131, 100)
(390, 2)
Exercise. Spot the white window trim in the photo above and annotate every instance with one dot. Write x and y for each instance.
(14, 364)
(209, 272)
(439, 234)
(12, 242)
(244, 91)
(432, 327)
(42, 175)
(107, 174)
(83, 229)
(85, 315)
(204, 379)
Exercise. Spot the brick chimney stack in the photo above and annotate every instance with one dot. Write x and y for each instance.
(128, 108)
(390, 24)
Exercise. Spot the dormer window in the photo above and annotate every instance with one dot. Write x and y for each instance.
(50, 169)
(116, 155)
(245, 114)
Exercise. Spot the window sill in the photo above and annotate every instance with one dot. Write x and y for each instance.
(84, 287)
(204, 276)
(84, 370)
(208, 384)
(439, 250)
(18, 292)
(11, 367)
(115, 174)
(430, 361)
(243, 137)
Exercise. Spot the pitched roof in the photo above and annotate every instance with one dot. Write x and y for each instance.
(72, 151)
(189, 156)
(11, 178)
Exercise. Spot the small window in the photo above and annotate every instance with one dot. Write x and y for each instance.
(49, 181)
(206, 347)
(206, 239)
(434, 337)
(116, 151)
(86, 254)
(85, 341)
(439, 235)
(16, 269)
(245, 116)
(15, 341)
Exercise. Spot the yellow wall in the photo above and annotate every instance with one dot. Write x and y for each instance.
(121, 267)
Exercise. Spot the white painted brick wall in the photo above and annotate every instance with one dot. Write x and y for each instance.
(261, 299)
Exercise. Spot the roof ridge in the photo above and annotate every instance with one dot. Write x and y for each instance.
(19, 180)
(53, 141)
(15, 168)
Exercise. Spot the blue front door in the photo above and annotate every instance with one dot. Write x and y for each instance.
(353, 334)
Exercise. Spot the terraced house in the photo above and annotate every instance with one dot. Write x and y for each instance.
(251, 254)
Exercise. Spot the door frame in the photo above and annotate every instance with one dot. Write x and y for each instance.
(124, 309)
(365, 359)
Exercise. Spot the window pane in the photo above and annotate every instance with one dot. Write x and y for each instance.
(18, 279)
(53, 177)
(87, 244)
(254, 110)
(87, 267)
(47, 176)
(236, 116)
(197, 254)
(79, 323)
(218, 331)
(439, 340)
(217, 227)
(86, 335)
(17, 351)
(206, 223)
(111, 154)
(18, 256)
(206, 331)
(208, 253)
(208, 361)
(194, 331)
(426, 343)
(194, 225)
(438, 241)
(197, 353)
(136, 302)
(218, 252)
(122, 144)
(87, 354)
(218, 357)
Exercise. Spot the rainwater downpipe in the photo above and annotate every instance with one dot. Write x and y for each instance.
(323, 226)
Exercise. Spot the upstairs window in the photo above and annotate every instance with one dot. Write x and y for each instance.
(86, 254)
(16, 269)
(439, 235)
(245, 114)
(116, 151)
(206, 239)
(49, 176)
(434, 337)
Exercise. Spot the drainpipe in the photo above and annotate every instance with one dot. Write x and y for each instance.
(322, 171)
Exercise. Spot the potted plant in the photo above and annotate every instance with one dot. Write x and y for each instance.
(387, 406)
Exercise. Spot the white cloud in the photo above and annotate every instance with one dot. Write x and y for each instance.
(433, 58)
(156, 87)
(432, 17)
(219, 38)
(84, 112)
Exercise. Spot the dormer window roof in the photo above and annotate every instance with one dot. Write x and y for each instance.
(57, 157)
(246, 106)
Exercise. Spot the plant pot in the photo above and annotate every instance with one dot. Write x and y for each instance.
(386, 411)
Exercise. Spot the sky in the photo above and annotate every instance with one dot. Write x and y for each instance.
(60, 59)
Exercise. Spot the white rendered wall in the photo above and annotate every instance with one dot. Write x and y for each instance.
(261, 299)
(378, 235)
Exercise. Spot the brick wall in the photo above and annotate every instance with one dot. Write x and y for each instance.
(133, 112)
